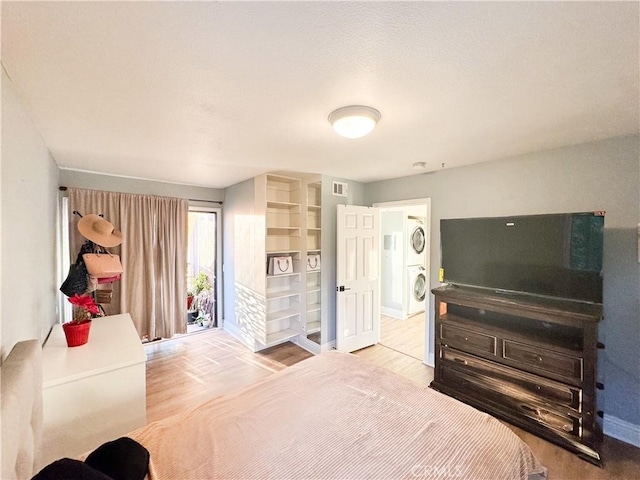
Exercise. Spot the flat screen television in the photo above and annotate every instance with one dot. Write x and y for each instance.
(554, 255)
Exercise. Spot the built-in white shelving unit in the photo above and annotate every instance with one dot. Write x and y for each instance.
(283, 219)
(283, 222)
(313, 267)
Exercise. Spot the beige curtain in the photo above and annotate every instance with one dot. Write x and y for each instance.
(153, 254)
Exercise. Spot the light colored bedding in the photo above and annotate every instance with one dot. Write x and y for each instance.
(335, 416)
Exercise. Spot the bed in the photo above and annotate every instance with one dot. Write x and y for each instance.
(335, 416)
(21, 419)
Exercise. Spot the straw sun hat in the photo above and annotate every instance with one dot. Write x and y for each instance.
(99, 231)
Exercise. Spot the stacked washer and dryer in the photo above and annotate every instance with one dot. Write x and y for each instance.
(403, 260)
(416, 243)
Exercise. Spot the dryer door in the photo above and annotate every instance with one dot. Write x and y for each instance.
(417, 239)
(419, 287)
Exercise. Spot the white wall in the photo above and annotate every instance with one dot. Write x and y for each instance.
(595, 176)
(112, 183)
(29, 207)
(239, 205)
(392, 260)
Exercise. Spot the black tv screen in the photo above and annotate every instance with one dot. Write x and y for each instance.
(555, 255)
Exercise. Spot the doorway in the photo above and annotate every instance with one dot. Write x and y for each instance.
(203, 309)
(404, 287)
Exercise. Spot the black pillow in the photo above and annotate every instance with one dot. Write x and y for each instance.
(121, 459)
(69, 469)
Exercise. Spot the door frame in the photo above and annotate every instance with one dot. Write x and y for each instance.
(206, 207)
(429, 357)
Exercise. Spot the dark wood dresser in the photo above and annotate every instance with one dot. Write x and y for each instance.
(526, 359)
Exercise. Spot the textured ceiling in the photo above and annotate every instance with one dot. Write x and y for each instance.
(214, 93)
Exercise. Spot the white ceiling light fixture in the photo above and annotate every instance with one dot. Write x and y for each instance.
(354, 121)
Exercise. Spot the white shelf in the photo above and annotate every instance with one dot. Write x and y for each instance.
(281, 336)
(281, 314)
(282, 205)
(286, 252)
(274, 177)
(284, 275)
(284, 231)
(314, 289)
(314, 229)
(313, 327)
(281, 294)
(313, 307)
(314, 207)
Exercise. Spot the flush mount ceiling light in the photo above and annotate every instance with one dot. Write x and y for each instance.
(354, 121)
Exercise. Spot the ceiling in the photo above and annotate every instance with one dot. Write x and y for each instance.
(211, 93)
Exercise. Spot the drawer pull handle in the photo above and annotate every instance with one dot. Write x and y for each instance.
(567, 427)
(530, 409)
(460, 360)
(534, 357)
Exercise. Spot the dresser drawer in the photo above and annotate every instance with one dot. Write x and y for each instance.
(521, 385)
(544, 360)
(487, 389)
(467, 340)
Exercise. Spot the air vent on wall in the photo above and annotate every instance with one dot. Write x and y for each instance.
(340, 189)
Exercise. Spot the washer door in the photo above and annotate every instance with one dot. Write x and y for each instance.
(417, 239)
(419, 287)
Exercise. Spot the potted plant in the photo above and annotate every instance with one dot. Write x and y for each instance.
(77, 330)
(190, 297)
(200, 290)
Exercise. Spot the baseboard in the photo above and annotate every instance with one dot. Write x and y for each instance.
(624, 431)
(308, 345)
(393, 312)
(237, 333)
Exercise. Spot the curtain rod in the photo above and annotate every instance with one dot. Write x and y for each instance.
(62, 188)
(207, 201)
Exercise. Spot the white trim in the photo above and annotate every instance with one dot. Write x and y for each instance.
(308, 345)
(392, 312)
(246, 340)
(431, 361)
(622, 430)
(428, 357)
(325, 347)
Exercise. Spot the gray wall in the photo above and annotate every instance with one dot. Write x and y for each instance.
(329, 220)
(595, 176)
(111, 183)
(28, 224)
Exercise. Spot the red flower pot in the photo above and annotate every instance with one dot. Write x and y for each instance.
(76, 333)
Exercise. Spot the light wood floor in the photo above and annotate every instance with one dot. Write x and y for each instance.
(405, 336)
(184, 372)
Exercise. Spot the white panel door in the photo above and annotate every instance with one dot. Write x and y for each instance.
(358, 278)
